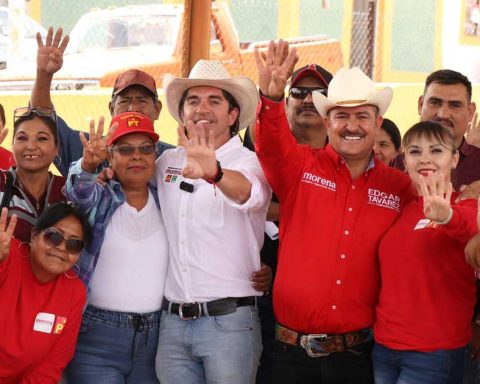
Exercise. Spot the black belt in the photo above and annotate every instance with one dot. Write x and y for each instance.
(189, 311)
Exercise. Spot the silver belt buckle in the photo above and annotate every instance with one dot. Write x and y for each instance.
(306, 341)
(180, 311)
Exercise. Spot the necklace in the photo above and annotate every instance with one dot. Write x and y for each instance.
(29, 195)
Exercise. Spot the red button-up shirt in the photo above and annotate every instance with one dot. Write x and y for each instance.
(328, 277)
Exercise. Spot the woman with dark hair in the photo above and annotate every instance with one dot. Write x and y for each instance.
(423, 317)
(125, 266)
(387, 142)
(28, 188)
(41, 298)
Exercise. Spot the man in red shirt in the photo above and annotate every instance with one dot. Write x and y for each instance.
(335, 205)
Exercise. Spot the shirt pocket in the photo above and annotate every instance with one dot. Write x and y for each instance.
(207, 208)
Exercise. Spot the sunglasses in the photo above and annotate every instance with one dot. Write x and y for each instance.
(302, 92)
(128, 150)
(41, 112)
(54, 238)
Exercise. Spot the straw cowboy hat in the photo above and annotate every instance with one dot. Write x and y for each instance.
(212, 73)
(350, 87)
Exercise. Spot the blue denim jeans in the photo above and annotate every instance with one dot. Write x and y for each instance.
(115, 348)
(410, 367)
(210, 349)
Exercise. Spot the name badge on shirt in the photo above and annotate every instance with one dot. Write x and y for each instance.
(49, 323)
(44, 322)
(425, 223)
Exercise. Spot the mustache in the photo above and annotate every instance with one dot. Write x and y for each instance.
(444, 121)
(307, 107)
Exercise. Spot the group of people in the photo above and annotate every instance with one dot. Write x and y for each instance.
(142, 263)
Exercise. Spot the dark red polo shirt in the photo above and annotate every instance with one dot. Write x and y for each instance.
(327, 276)
(467, 170)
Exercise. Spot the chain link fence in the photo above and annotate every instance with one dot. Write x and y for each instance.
(393, 41)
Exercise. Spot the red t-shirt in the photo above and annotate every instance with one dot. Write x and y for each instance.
(428, 289)
(327, 276)
(6, 158)
(39, 322)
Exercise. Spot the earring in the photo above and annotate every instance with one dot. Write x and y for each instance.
(57, 163)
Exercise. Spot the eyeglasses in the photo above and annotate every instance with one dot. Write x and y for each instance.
(27, 111)
(302, 92)
(54, 238)
(128, 150)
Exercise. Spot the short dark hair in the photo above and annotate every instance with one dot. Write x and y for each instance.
(430, 129)
(232, 104)
(2, 114)
(392, 130)
(59, 211)
(48, 121)
(449, 77)
(152, 95)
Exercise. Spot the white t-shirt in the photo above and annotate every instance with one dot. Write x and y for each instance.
(133, 261)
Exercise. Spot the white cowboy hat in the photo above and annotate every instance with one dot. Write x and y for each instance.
(212, 73)
(350, 87)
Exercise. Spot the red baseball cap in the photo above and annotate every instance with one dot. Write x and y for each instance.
(132, 122)
(134, 77)
(313, 70)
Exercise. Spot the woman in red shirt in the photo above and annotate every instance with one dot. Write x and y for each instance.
(427, 298)
(41, 298)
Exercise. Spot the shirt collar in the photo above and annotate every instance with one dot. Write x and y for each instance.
(465, 149)
(232, 143)
(337, 159)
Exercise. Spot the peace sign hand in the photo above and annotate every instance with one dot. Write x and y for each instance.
(50, 54)
(6, 233)
(95, 148)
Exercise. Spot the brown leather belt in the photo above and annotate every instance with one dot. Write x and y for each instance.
(321, 344)
(191, 311)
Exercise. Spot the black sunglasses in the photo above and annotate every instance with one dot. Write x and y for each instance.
(27, 111)
(128, 150)
(302, 92)
(54, 238)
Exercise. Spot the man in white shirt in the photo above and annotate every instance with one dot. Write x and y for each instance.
(214, 199)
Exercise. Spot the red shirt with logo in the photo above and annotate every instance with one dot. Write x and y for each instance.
(39, 322)
(327, 276)
(428, 289)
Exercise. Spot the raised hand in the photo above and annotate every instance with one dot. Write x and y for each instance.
(200, 148)
(436, 194)
(473, 131)
(6, 233)
(95, 148)
(275, 68)
(50, 54)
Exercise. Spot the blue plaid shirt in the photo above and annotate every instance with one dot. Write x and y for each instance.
(98, 203)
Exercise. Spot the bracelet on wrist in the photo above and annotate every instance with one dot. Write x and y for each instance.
(218, 175)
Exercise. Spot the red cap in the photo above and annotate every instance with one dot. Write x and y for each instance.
(132, 122)
(314, 70)
(134, 77)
